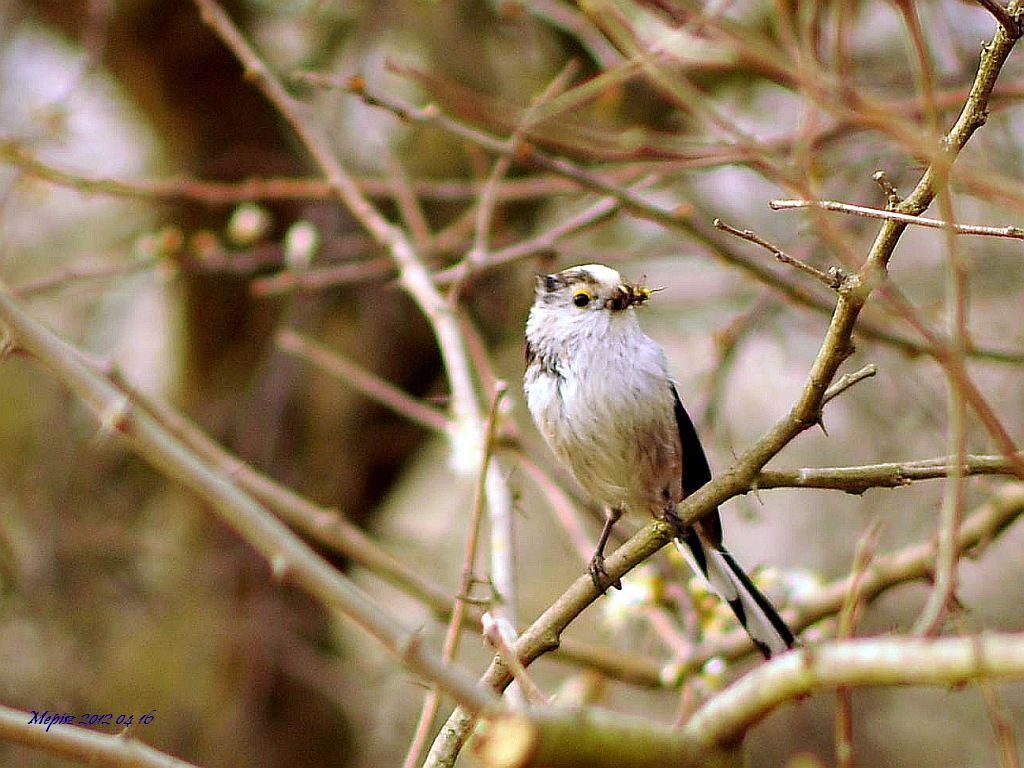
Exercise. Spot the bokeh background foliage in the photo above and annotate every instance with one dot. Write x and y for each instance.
(159, 212)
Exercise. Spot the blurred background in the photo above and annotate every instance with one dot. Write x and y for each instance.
(127, 131)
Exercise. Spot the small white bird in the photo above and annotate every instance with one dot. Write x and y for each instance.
(599, 391)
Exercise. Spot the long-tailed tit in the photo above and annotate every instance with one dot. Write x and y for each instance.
(599, 391)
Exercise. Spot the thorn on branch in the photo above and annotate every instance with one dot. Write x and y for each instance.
(847, 380)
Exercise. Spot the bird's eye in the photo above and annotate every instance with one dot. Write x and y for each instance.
(581, 298)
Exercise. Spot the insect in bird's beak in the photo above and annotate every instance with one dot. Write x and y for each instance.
(628, 295)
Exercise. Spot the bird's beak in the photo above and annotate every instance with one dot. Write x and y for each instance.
(627, 295)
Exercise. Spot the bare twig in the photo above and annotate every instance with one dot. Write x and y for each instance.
(82, 744)
(847, 380)
(952, 362)
(408, 204)
(288, 556)
(73, 275)
(889, 475)
(833, 278)
(1005, 18)
(467, 427)
(480, 250)
(563, 508)
(1002, 726)
(320, 278)
(874, 661)
(892, 196)
(432, 701)
(369, 384)
(502, 637)
(845, 630)
(1016, 233)
(544, 241)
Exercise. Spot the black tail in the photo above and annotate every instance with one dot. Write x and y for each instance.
(753, 610)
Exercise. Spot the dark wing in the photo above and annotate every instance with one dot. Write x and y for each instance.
(696, 471)
(753, 610)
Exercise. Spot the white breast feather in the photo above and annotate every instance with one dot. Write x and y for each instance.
(606, 409)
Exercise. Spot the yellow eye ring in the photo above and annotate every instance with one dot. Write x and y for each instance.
(582, 298)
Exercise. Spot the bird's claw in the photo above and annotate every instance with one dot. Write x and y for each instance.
(599, 575)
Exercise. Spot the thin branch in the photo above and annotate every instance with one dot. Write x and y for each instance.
(369, 384)
(479, 504)
(845, 630)
(467, 429)
(728, 341)
(500, 635)
(565, 511)
(119, 750)
(1002, 726)
(847, 380)
(64, 278)
(218, 193)
(943, 594)
(1006, 19)
(833, 279)
(486, 204)
(864, 662)
(320, 278)
(1016, 233)
(859, 479)
(409, 204)
(548, 238)
(952, 361)
(432, 701)
(287, 555)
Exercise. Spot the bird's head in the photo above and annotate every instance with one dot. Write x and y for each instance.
(589, 288)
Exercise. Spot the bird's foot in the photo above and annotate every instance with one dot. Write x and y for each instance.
(669, 516)
(599, 575)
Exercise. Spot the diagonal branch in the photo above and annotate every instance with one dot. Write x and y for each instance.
(288, 556)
